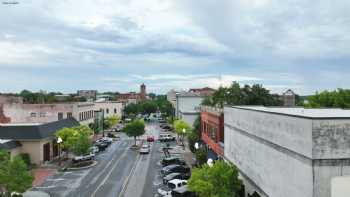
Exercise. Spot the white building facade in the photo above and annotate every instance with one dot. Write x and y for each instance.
(84, 112)
(288, 152)
(188, 106)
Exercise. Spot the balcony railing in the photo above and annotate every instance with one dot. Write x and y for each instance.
(215, 110)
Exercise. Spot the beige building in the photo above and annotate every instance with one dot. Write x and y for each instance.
(15, 111)
(38, 140)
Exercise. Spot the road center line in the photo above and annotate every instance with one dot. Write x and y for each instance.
(125, 184)
(110, 172)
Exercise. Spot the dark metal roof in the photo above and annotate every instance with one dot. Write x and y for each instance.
(10, 145)
(35, 132)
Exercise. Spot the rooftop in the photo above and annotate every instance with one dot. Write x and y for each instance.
(302, 112)
(34, 131)
(8, 144)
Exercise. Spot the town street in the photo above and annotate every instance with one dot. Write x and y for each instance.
(118, 171)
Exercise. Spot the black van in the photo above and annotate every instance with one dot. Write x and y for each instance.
(182, 192)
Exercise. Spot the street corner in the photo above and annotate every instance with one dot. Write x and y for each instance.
(41, 174)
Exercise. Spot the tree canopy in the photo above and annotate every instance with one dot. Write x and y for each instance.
(151, 106)
(134, 129)
(194, 134)
(246, 95)
(338, 98)
(14, 175)
(180, 125)
(220, 180)
(112, 121)
(76, 139)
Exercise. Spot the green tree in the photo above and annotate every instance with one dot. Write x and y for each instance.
(194, 135)
(201, 156)
(134, 129)
(220, 180)
(14, 176)
(180, 125)
(111, 121)
(132, 109)
(339, 98)
(148, 107)
(81, 144)
(247, 95)
(76, 139)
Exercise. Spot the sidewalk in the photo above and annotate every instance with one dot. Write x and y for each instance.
(41, 174)
(189, 157)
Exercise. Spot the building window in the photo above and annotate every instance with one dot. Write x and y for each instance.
(107, 111)
(115, 110)
(33, 114)
(60, 115)
(42, 114)
(69, 115)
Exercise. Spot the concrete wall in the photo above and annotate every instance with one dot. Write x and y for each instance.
(188, 104)
(35, 150)
(286, 155)
(331, 151)
(22, 113)
(288, 132)
(331, 139)
(273, 151)
(114, 108)
(189, 118)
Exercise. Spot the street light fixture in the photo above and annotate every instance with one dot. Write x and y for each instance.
(196, 146)
(59, 142)
(183, 137)
(210, 162)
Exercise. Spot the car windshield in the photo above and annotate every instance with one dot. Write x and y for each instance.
(171, 185)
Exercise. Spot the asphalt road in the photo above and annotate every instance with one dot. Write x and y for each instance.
(118, 170)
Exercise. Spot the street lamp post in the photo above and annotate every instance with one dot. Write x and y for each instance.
(183, 137)
(59, 141)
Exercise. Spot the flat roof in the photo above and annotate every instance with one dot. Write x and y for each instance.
(317, 113)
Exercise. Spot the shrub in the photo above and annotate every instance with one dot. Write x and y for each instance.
(26, 158)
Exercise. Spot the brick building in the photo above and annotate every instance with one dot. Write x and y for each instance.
(133, 97)
(203, 91)
(212, 131)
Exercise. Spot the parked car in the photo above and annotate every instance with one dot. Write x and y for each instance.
(101, 145)
(175, 168)
(94, 149)
(105, 140)
(173, 184)
(81, 158)
(182, 192)
(145, 149)
(176, 175)
(166, 138)
(173, 160)
(150, 138)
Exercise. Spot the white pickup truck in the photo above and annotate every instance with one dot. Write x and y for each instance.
(173, 184)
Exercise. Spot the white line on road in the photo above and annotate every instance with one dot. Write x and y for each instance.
(125, 184)
(109, 173)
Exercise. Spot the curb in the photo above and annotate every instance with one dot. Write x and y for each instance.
(81, 168)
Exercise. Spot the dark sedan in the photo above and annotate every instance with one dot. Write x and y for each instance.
(175, 168)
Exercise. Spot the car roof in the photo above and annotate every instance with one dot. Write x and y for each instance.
(171, 166)
(176, 181)
(171, 158)
(181, 189)
(172, 175)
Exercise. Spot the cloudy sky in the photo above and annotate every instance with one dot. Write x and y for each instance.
(114, 45)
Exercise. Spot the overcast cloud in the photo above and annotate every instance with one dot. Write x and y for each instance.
(114, 45)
